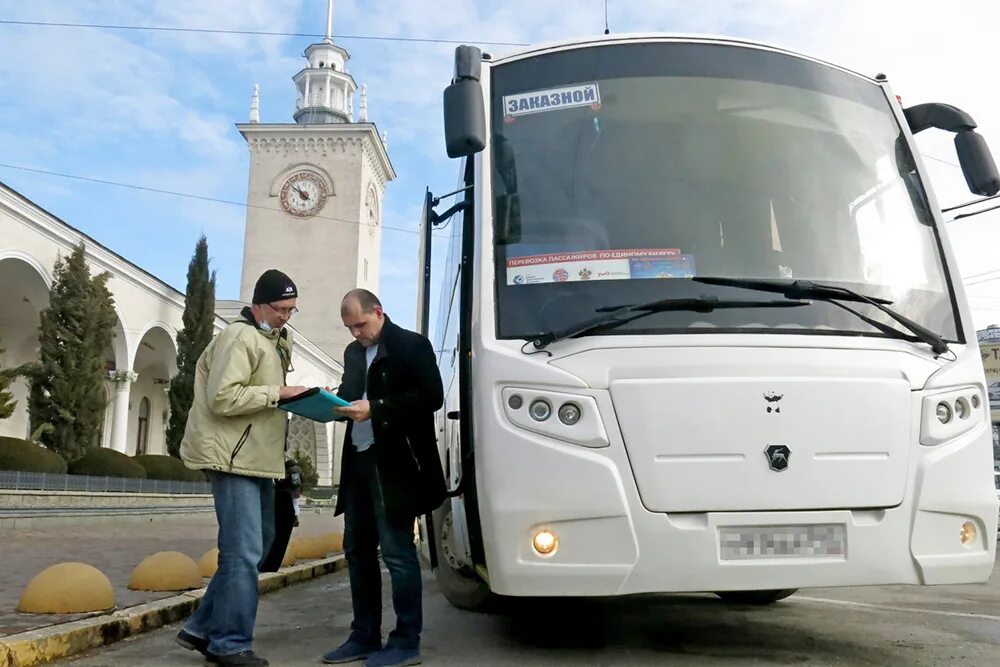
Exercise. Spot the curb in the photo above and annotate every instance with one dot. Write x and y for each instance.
(55, 642)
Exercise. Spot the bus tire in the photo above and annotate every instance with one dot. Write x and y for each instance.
(463, 588)
(759, 598)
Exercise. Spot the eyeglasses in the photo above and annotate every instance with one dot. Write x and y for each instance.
(284, 312)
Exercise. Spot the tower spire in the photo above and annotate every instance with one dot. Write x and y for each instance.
(255, 104)
(329, 21)
(324, 86)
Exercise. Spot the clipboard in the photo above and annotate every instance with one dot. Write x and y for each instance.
(316, 404)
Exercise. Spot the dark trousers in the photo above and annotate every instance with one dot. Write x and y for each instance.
(284, 521)
(365, 528)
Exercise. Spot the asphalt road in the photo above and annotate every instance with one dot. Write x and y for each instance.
(893, 625)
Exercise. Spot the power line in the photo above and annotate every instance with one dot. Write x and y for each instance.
(257, 33)
(187, 195)
(937, 159)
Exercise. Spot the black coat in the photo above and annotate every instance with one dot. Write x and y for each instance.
(404, 391)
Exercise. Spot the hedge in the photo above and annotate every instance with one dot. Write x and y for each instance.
(160, 466)
(101, 461)
(26, 456)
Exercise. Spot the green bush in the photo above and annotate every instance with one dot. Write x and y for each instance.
(159, 466)
(101, 461)
(26, 456)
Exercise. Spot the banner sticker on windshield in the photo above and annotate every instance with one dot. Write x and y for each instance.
(600, 265)
(567, 97)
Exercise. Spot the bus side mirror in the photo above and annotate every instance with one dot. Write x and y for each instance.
(464, 111)
(980, 170)
(973, 154)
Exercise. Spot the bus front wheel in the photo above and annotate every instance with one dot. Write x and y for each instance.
(755, 597)
(461, 586)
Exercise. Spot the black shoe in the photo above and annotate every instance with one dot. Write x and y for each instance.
(192, 642)
(247, 658)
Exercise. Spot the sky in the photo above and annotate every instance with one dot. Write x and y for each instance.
(158, 109)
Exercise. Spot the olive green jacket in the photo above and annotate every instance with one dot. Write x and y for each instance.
(234, 425)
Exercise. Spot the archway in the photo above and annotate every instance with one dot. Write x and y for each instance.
(24, 296)
(155, 362)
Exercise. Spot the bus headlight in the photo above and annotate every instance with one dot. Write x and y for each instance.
(569, 413)
(540, 410)
(573, 418)
(545, 543)
(949, 413)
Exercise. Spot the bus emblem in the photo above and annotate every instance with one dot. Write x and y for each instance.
(777, 457)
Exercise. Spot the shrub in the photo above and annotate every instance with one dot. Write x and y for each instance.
(101, 461)
(26, 456)
(160, 466)
(309, 475)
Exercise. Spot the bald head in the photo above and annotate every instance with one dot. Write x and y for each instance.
(363, 316)
(359, 299)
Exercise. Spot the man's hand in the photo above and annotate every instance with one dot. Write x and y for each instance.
(358, 411)
(288, 392)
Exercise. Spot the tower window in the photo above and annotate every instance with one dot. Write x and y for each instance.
(320, 63)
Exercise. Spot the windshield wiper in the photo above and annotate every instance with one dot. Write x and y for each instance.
(807, 289)
(624, 314)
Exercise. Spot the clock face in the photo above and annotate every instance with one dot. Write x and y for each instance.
(303, 194)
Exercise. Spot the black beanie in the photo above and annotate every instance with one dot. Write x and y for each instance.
(273, 285)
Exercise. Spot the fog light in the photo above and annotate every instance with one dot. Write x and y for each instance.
(540, 410)
(968, 535)
(515, 402)
(545, 543)
(944, 413)
(962, 408)
(975, 401)
(569, 413)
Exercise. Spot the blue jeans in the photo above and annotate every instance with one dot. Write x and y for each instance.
(244, 508)
(365, 528)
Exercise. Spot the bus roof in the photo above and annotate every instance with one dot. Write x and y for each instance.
(625, 38)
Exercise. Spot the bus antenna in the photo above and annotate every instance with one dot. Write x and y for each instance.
(607, 31)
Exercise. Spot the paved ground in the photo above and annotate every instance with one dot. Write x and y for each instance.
(953, 625)
(113, 547)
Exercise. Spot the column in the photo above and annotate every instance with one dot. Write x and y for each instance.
(119, 424)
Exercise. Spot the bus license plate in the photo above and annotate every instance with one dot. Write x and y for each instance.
(768, 542)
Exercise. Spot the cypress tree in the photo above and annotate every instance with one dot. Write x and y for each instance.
(199, 326)
(7, 402)
(67, 382)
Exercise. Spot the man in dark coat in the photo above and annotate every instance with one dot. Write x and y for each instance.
(390, 474)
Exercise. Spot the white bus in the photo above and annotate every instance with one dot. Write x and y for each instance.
(702, 329)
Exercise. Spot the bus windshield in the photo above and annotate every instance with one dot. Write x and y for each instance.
(621, 172)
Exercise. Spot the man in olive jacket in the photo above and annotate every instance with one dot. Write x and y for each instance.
(390, 474)
(236, 434)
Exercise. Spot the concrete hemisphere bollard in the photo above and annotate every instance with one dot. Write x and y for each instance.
(333, 542)
(289, 558)
(68, 588)
(312, 547)
(209, 563)
(166, 571)
(308, 548)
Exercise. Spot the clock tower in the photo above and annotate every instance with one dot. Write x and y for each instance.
(314, 202)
